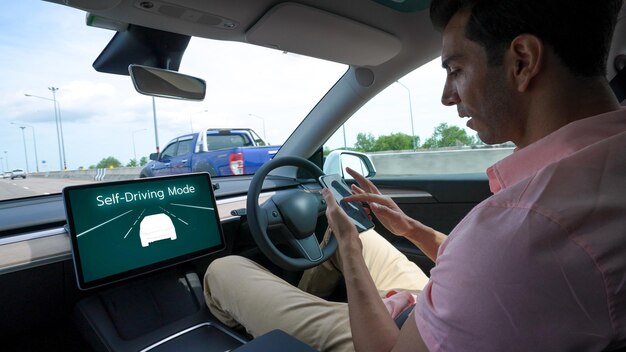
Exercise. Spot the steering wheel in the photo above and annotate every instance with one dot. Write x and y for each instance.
(296, 211)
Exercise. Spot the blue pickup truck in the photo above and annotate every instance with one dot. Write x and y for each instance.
(220, 152)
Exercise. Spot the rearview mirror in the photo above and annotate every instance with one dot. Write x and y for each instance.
(166, 84)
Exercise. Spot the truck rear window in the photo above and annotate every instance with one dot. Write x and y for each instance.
(219, 141)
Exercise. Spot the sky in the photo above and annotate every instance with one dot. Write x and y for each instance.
(46, 45)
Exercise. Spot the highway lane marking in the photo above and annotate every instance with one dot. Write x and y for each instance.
(25, 187)
(108, 221)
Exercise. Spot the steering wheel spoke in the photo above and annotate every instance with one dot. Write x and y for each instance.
(297, 210)
(271, 214)
(308, 247)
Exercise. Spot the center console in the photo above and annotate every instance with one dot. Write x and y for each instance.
(163, 312)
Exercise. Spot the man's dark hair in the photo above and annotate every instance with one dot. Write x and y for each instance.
(578, 31)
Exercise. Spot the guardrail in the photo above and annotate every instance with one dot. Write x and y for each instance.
(436, 162)
(119, 173)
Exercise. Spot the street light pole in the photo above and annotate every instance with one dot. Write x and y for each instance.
(60, 126)
(156, 131)
(25, 151)
(34, 142)
(6, 158)
(411, 113)
(57, 113)
(35, 145)
(134, 151)
(263, 121)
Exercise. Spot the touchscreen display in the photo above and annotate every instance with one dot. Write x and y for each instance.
(126, 228)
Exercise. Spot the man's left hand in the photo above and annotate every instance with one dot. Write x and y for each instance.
(338, 220)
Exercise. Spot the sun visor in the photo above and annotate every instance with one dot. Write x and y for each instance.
(316, 33)
(142, 46)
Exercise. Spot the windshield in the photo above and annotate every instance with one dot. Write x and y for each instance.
(64, 123)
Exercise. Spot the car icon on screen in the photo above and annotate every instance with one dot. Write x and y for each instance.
(155, 228)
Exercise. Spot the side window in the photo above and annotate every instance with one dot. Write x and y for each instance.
(185, 146)
(169, 151)
(258, 140)
(406, 131)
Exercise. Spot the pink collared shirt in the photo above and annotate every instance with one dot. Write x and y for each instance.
(541, 264)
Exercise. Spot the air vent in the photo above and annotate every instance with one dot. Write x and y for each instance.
(186, 14)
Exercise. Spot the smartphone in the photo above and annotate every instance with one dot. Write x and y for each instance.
(355, 211)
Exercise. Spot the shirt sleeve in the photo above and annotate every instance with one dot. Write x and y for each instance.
(511, 279)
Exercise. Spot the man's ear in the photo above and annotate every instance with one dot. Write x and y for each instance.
(525, 60)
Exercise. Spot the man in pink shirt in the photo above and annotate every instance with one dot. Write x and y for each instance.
(540, 265)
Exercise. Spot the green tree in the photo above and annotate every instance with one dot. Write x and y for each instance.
(143, 161)
(448, 136)
(109, 162)
(395, 141)
(364, 142)
(132, 163)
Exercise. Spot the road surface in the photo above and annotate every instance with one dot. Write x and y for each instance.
(34, 186)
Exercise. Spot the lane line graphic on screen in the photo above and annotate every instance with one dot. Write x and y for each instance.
(128, 232)
(134, 223)
(155, 228)
(174, 216)
(191, 206)
(104, 223)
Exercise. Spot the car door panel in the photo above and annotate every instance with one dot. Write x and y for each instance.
(439, 202)
(181, 163)
(163, 165)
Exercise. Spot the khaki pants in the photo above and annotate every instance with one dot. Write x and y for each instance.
(239, 291)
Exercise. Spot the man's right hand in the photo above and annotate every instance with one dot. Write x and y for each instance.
(393, 218)
(383, 207)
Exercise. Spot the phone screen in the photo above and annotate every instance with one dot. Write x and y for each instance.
(355, 210)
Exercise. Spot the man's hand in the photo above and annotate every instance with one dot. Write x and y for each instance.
(338, 220)
(393, 218)
(383, 207)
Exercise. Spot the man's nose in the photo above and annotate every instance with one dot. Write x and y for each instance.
(450, 96)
